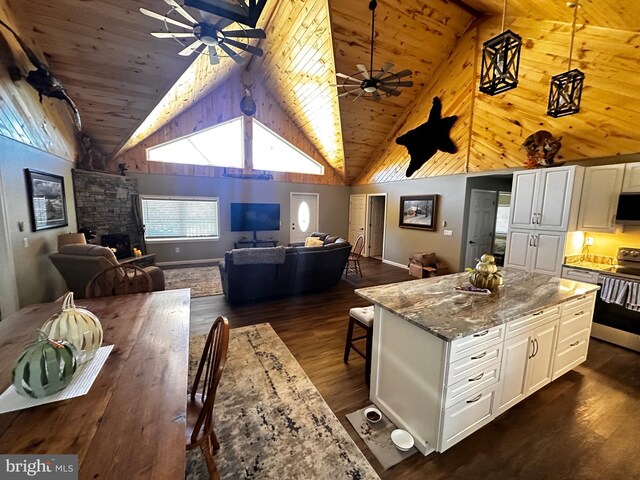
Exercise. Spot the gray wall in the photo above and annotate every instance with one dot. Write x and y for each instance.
(334, 209)
(36, 278)
(401, 242)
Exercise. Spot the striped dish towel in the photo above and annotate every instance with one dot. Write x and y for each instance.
(633, 297)
(614, 290)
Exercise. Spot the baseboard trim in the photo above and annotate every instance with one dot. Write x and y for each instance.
(399, 265)
(187, 262)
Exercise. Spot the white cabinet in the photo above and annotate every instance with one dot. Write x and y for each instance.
(631, 181)
(535, 251)
(599, 199)
(580, 275)
(545, 199)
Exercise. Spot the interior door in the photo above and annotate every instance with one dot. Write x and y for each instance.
(357, 217)
(482, 221)
(376, 225)
(304, 216)
(8, 287)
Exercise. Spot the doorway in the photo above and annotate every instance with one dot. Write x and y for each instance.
(8, 288)
(482, 220)
(303, 215)
(376, 209)
(357, 217)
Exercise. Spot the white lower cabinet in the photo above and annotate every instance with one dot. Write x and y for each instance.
(535, 251)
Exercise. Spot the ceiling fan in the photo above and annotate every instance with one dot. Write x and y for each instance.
(370, 83)
(210, 33)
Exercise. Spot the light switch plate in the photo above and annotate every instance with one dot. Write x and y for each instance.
(448, 233)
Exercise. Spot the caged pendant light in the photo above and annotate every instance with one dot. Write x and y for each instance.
(565, 91)
(500, 61)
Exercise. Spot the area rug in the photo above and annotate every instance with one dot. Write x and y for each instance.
(377, 436)
(203, 281)
(270, 420)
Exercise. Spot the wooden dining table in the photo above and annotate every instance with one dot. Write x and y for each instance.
(131, 424)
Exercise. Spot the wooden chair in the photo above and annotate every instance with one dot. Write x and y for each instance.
(203, 393)
(354, 257)
(363, 317)
(119, 280)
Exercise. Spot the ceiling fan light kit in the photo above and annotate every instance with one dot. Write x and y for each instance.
(565, 92)
(372, 83)
(245, 12)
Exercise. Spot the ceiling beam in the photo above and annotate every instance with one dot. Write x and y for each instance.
(466, 8)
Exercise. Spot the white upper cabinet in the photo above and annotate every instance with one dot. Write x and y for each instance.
(545, 199)
(631, 178)
(535, 251)
(599, 201)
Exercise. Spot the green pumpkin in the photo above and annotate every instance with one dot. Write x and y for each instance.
(44, 368)
(485, 280)
(485, 267)
(486, 258)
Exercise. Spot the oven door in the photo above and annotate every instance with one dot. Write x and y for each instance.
(616, 324)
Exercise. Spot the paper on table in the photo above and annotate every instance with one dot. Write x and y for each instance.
(11, 400)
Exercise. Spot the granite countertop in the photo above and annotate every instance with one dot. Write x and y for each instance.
(433, 305)
(600, 267)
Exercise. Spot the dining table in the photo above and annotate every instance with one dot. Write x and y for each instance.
(131, 423)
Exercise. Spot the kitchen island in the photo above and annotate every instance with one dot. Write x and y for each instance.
(446, 363)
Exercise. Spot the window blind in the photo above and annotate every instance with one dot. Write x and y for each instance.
(180, 218)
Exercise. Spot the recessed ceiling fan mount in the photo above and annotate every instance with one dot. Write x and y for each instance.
(371, 83)
(210, 33)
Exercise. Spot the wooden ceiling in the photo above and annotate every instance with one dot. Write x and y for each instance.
(118, 74)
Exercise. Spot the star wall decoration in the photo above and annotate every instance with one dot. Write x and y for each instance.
(424, 141)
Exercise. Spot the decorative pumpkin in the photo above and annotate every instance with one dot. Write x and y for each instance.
(486, 274)
(77, 326)
(44, 368)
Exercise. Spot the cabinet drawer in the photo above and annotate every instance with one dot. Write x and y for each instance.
(516, 327)
(580, 275)
(584, 302)
(474, 363)
(461, 347)
(571, 352)
(573, 322)
(472, 385)
(467, 416)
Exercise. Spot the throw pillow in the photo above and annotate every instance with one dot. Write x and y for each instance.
(313, 242)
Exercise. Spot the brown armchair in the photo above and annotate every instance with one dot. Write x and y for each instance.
(423, 265)
(78, 264)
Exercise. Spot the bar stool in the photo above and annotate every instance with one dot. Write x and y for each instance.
(363, 317)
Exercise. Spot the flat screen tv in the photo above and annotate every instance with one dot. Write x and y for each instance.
(255, 217)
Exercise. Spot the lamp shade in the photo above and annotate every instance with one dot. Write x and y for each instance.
(71, 238)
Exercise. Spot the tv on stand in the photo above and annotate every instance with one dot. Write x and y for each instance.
(255, 217)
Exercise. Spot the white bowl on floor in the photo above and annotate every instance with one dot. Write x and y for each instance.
(402, 440)
(372, 410)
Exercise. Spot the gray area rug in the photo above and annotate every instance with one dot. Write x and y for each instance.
(203, 281)
(377, 436)
(271, 421)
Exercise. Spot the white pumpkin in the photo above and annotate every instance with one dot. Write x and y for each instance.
(77, 326)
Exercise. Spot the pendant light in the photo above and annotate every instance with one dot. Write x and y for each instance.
(500, 61)
(565, 92)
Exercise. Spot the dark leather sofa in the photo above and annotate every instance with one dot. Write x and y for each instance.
(305, 269)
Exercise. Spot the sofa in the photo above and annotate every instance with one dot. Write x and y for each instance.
(250, 274)
(78, 263)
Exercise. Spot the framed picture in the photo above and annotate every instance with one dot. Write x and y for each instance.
(46, 200)
(418, 211)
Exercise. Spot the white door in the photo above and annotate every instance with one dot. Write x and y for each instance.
(541, 363)
(599, 201)
(556, 190)
(8, 288)
(548, 253)
(518, 251)
(482, 221)
(357, 217)
(376, 225)
(304, 215)
(514, 371)
(523, 199)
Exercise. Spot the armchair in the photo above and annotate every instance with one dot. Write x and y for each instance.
(78, 264)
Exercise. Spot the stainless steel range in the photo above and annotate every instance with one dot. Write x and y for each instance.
(616, 323)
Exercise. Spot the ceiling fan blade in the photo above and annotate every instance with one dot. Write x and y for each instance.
(359, 95)
(214, 59)
(403, 73)
(249, 48)
(171, 35)
(390, 91)
(343, 94)
(223, 23)
(342, 75)
(180, 10)
(384, 69)
(394, 83)
(364, 71)
(191, 48)
(376, 96)
(250, 33)
(234, 56)
(157, 16)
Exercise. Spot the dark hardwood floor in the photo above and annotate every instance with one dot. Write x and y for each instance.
(585, 425)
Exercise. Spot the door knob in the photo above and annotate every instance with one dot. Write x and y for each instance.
(472, 242)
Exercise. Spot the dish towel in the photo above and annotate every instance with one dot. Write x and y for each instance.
(633, 298)
(614, 290)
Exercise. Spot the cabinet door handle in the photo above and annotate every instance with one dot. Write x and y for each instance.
(533, 219)
(477, 357)
(535, 240)
(539, 218)
(475, 379)
(535, 344)
(474, 400)
(613, 220)
(579, 313)
(481, 334)
(531, 240)
(574, 343)
(538, 313)
(581, 297)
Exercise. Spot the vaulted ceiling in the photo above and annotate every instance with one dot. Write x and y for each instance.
(127, 84)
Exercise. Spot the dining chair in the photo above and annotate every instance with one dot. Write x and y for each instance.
(354, 257)
(203, 393)
(119, 280)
